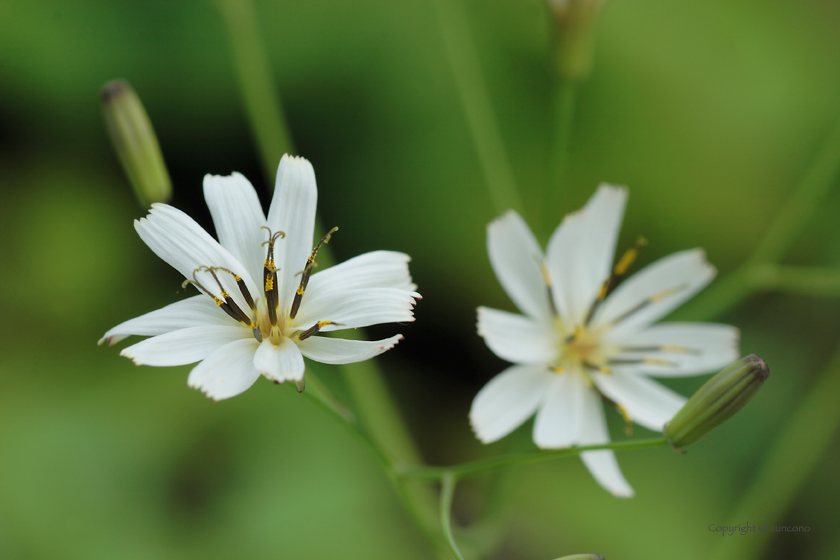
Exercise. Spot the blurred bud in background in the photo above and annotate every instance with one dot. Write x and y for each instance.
(582, 557)
(135, 142)
(574, 36)
(716, 401)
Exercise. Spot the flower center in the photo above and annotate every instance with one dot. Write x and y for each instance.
(580, 351)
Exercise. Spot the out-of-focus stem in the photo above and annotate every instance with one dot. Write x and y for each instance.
(447, 491)
(475, 100)
(482, 466)
(256, 83)
(803, 440)
(565, 92)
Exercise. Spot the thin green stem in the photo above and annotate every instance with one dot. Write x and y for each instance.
(482, 466)
(802, 442)
(805, 280)
(256, 83)
(447, 491)
(802, 204)
(564, 95)
(475, 99)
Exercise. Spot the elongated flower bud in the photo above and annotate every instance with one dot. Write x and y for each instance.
(134, 139)
(582, 557)
(718, 399)
(574, 22)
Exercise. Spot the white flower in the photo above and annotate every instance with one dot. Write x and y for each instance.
(580, 343)
(260, 309)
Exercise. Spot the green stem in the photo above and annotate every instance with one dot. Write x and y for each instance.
(447, 491)
(803, 203)
(484, 129)
(803, 440)
(260, 94)
(565, 93)
(494, 463)
(805, 280)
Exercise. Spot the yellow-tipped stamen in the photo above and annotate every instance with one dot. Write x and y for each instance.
(240, 283)
(668, 349)
(270, 276)
(659, 296)
(619, 270)
(234, 312)
(307, 271)
(238, 314)
(314, 329)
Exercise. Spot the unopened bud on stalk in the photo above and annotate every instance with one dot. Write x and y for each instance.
(135, 142)
(574, 26)
(716, 401)
(582, 557)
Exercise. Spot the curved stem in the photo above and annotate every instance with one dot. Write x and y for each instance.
(481, 466)
(475, 100)
(565, 93)
(447, 491)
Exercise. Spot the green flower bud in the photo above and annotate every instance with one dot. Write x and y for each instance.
(135, 142)
(582, 557)
(718, 399)
(574, 22)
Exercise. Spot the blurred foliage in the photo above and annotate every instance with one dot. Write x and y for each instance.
(709, 111)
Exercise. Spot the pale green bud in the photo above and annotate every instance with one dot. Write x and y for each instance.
(134, 139)
(582, 557)
(716, 401)
(574, 23)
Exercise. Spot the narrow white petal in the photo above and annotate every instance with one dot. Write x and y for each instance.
(191, 312)
(238, 217)
(647, 402)
(292, 211)
(683, 348)
(515, 257)
(559, 419)
(654, 292)
(340, 351)
(602, 463)
(508, 400)
(517, 338)
(184, 346)
(357, 308)
(178, 240)
(227, 372)
(580, 252)
(377, 269)
(279, 363)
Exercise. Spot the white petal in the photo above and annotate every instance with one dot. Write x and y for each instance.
(184, 346)
(508, 400)
(357, 308)
(178, 240)
(517, 338)
(654, 292)
(238, 217)
(580, 252)
(226, 372)
(191, 312)
(292, 211)
(279, 363)
(647, 402)
(377, 269)
(687, 348)
(340, 351)
(559, 419)
(515, 257)
(602, 463)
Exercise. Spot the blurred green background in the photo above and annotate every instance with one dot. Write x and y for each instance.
(710, 111)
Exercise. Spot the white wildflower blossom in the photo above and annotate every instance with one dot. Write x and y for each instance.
(583, 339)
(261, 307)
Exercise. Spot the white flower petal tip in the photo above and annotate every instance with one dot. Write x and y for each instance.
(241, 325)
(587, 330)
